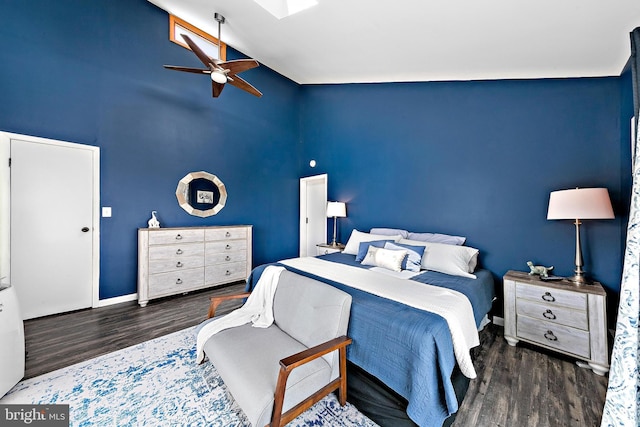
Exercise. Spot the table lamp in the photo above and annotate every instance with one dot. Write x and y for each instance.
(578, 204)
(336, 210)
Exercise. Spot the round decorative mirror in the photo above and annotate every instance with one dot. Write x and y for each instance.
(201, 194)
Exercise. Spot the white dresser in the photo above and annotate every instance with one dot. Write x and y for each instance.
(178, 260)
(557, 315)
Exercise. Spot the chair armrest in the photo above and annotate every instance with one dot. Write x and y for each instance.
(216, 301)
(278, 419)
(312, 353)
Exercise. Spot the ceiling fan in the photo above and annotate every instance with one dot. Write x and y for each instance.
(221, 72)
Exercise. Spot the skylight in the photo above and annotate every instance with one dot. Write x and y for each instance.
(283, 8)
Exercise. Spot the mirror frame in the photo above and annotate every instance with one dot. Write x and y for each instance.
(182, 194)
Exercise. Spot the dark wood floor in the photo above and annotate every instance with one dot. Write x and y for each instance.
(57, 341)
(524, 386)
(516, 386)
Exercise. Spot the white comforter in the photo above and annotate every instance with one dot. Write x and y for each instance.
(453, 306)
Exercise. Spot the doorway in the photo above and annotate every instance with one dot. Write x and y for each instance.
(313, 213)
(53, 211)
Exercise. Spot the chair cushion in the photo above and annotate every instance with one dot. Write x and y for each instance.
(247, 359)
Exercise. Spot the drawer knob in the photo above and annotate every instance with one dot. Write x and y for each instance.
(549, 315)
(227, 234)
(179, 281)
(178, 237)
(550, 336)
(228, 247)
(227, 258)
(228, 273)
(548, 297)
(179, 264)
(179, 252)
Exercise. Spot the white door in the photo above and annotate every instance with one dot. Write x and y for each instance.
(53, 226)
(313, 213)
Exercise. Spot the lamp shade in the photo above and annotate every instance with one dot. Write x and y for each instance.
(580, 203)
(336, 209)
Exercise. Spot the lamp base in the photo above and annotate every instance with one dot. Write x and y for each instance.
(580, 280)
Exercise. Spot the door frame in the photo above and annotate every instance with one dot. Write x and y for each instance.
(5, 204)
(303, 209)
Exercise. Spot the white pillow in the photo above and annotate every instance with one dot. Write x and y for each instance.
(386, 258)
(357, 237)
(448, 259)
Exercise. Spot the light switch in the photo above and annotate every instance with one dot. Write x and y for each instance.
(106, 211)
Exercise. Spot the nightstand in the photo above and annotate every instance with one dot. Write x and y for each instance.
(558, 315)
(327, 248)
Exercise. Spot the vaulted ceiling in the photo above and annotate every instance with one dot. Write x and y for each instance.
(353, 41)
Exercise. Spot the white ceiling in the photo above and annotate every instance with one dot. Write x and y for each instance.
(354, 41)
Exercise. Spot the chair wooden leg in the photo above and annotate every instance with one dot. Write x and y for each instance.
(342, 391)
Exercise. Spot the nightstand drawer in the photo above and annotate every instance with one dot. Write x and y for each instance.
(552, 296)
(328, 249)
(553, 314)
(564, 338)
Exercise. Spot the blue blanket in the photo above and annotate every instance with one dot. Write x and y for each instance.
(408, 349)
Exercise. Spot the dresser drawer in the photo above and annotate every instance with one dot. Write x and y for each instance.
(227, 233)
(225, 257)
(175, 282)
(552, 296)
(178, 251)
(223, 247)
(225, 272)
(564, 338)
(164, 237)
(165, 265)
(553, 314)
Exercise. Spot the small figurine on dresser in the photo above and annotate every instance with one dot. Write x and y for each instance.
(153, 222)
(539, 270)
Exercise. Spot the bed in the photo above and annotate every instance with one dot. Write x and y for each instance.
(405, 366)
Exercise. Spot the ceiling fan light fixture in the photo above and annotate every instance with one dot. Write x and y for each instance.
(219, 77)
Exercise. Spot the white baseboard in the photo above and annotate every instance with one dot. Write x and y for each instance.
(498, 321)
(117, 300)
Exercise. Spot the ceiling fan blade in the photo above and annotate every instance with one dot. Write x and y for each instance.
(239, 65)
(187, 69)
(216, 89)
(199, 52)
(244, 85)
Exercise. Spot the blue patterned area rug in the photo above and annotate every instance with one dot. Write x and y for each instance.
(157, 383)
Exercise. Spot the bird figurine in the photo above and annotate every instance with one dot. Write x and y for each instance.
(153, 222)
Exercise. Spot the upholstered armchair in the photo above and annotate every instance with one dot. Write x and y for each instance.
(276, 373)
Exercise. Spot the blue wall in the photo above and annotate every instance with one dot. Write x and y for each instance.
(471, 158)
(91, 72)
(476, 159)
